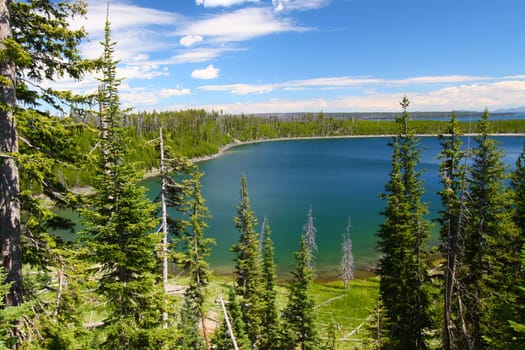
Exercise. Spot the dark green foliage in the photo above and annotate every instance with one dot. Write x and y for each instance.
(188, 325)
(248, 273)
(453, 218)
(491, 259)
(118, 231)
(271, 324)
(401, 241)
(222, 339)
(299, 326)
(9, 316)
(193, 249)
(37, 44)
(197, 133)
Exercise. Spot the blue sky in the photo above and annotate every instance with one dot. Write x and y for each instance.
(264, 56)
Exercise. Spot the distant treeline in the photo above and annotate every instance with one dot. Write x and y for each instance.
(197, 133)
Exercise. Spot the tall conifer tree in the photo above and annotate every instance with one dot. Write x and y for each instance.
(270, 327)
(248, 272)
(452, 219)
(401, 241)
(194, 248)
(491, 242)
(119, 223)
(299, 316)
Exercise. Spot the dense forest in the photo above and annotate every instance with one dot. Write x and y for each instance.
(198, 133)
(110, 288)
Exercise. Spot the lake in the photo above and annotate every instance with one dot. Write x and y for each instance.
(340, 179)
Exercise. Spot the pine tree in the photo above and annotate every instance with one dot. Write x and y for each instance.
(248, 273)
(118, 228)
(36, 44)
(309, 232)
(401, 241)
(298, 315)
(491, 243)
(270, 326)
(347, 259)
(452, 220)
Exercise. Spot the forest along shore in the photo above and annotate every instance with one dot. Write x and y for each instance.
(154, 172)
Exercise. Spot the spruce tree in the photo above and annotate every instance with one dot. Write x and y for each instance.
(248, 272)
(452, 220)
(299, 316)
(491, 243)
(193, 248)
(118, 228)
(270, 326)
(402, 237)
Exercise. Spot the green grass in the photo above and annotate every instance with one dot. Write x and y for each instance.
(348, 310)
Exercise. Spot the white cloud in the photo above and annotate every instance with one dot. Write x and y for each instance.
(298, 5)
(240, 25)
(207, 73)
(337, 83)
(190, 40)
(174, 92)
(493, 93)
(196, 55)
(223, 3)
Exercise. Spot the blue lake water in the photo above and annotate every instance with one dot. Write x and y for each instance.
(339, 178)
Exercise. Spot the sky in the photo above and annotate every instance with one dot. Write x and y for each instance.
(276, 56)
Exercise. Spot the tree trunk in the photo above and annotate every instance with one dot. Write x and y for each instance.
(164, 226)
(9, 179)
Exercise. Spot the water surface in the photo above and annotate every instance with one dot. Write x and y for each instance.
(339, 178)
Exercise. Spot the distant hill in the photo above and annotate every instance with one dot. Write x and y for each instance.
(511, 110)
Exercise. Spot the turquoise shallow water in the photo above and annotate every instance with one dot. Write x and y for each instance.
(339, 178)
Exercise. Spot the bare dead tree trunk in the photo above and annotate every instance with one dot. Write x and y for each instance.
(228, 324)
(164, 225)
(9, 176)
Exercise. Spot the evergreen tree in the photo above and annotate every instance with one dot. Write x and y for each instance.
(452, 220)
(118, 229)
(270, 326)
(248, 273)
(222, 339)
(36, 44)
(518, 187)
(347, 259)
(188, 324)
(309, 232)
(401, 241)
(194, 247)
(298, 315)
(491, 243)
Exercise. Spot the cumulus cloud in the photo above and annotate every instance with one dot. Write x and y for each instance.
(207, 73)
(223, 3)
(190, 40)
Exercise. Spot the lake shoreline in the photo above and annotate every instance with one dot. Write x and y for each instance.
(154, 172)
